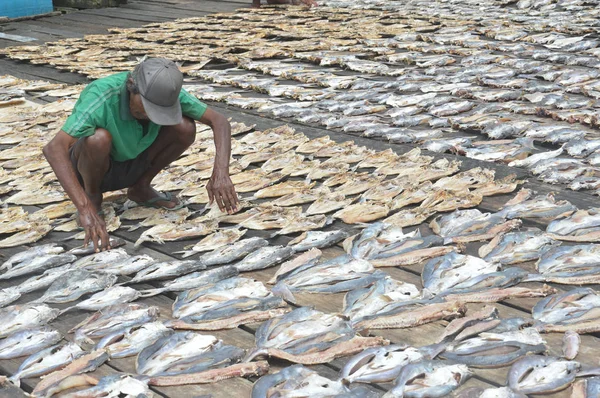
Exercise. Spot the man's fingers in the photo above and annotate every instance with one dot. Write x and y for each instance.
(105, 241)
(211, 196)
(227, 202)
(220, 203)
(232, 201)
(94, 237)
(86, 240)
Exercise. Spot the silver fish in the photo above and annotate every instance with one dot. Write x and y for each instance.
(26, 342)
(517, 247)
(301, 381)
(475, 351)
(102, 258)
(340, 274)
(480, 392)
(443, 273)
(16, 318)
(568, 265)
(86, 363)
(124, 266)
(264, 257)
(307, 336)
(542, 206)
(581, 226)
(471, 225)
(232, 252)
(113, 318)
(106, 298)
(9, 295)
(429, 379)
(37, 264)
(167, 269)
(186, 352)
(115, 386)
(194, 280)
(44, 280)
(375, 299)
(30, 254)
(317, 239)
(384, 364)
(46, 361)
(114, 242)
(537, 374)
(76, 284)
(133, 342)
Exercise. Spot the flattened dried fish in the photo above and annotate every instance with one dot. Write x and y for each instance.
(76, 284)
(309, 337)
(537, 374)
(429, 379)
(26, 342)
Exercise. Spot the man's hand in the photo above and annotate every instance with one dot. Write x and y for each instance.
(220, 189)
(95, 230)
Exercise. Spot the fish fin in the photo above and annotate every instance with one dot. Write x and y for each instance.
(329, 220)
(534, 278)
(283, 291)
(427, 294)
(186, 253)
(134, 227)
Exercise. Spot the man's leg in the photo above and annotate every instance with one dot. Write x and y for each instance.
(171, 142)
(93, 161)
(256, 3)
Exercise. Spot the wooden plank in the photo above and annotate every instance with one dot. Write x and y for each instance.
(138, 17)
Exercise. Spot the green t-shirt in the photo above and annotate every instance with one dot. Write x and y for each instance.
(104, 103)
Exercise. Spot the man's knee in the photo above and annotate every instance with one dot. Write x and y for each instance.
(186, 131)
(100, 143)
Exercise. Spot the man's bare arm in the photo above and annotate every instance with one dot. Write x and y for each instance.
(220, 187)
(57, 154)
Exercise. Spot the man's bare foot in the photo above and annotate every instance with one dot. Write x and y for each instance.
(148, 196)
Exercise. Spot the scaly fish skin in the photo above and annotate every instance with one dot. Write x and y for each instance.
(264, 257)
(46, 361)
(26, 342)
(537, 374)
(40, 263)
(16, 318)
(439, 379)
(134, 342)
(30, 254)
(76, 284)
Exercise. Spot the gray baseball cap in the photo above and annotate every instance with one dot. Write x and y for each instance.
(159, 82)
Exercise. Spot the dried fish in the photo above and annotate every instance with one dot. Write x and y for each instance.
(330, 336)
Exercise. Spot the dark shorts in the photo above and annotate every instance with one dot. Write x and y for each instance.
(120, 174)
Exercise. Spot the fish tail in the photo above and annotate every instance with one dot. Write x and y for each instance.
(151, 292)
(69, 237)
(186, 253)
(15, 379)
(255, 353)
(283, 291)
(65, 310)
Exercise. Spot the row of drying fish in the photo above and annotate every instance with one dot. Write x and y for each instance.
(462, 35)
(502, 82)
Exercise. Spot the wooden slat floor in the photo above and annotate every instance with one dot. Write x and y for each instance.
(140, 12)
